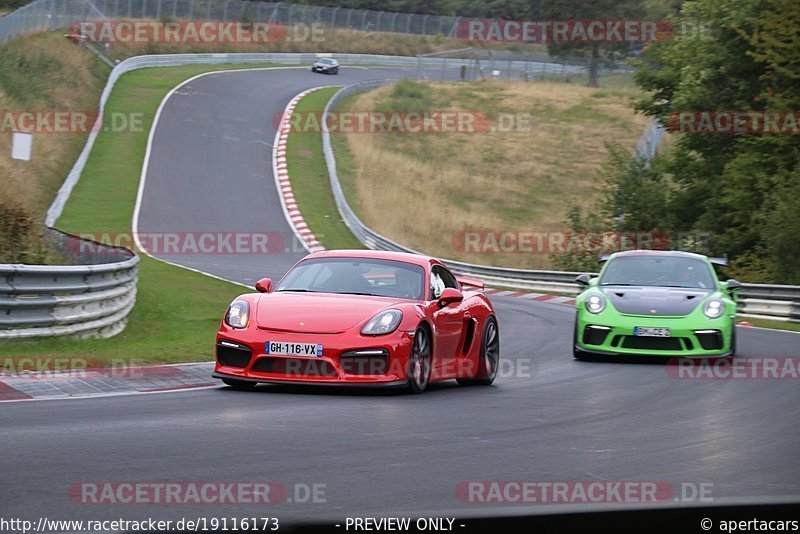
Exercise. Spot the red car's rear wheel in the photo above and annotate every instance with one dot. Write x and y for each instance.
(489, 359)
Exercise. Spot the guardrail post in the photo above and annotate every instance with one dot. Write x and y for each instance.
(454, 27)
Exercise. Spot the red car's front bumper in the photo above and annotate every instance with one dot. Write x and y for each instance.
(346, 358)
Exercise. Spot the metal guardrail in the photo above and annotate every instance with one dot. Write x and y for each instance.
(49, 15)
(776, 302)
(91, 298)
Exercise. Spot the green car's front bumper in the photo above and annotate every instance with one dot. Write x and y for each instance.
(691, 336)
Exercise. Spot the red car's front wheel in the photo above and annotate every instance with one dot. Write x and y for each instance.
(419, 364)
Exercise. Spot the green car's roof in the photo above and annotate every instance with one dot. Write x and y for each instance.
(662, 253)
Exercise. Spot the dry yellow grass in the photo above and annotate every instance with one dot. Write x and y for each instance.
(40, 74)
(72, 83)
(426, 190)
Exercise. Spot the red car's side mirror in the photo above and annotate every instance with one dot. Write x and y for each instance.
(264, 285)
(449, 296)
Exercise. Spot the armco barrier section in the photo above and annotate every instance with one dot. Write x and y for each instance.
(91, 298)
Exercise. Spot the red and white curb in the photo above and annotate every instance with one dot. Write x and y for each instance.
(282, 182)
(107, 382)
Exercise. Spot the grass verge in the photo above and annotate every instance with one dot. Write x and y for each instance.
(177, 311)
(309, 177)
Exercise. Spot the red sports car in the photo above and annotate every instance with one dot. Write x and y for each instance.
(360, 317)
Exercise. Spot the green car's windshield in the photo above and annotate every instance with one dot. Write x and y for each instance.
(658, 272)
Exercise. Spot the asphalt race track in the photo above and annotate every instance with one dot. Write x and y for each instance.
(547, 418)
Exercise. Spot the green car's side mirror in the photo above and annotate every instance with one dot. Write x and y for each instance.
(583, 280)
(732, 285)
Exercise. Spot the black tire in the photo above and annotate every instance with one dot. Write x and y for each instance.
(489, 360)
(239, 385)
(733, 341)
(419, 363)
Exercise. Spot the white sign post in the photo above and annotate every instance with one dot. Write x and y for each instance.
(21, 145)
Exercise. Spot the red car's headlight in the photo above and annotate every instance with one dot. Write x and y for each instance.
(385, 322)
(238, 314)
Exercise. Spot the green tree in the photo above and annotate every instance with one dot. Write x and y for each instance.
(735, 56)
(597, 54)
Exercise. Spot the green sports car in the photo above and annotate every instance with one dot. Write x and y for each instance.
(656, 303)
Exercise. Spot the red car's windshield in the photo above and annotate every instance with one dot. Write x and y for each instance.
(359, 276)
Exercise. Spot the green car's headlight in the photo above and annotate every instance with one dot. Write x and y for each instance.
(714, 308)
(385, 322)
(595, 303)
(238, 314)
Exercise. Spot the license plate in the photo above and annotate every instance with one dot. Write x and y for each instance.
(290, 348)
(649, 331)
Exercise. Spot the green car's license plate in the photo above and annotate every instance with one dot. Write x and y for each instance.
(649, 331)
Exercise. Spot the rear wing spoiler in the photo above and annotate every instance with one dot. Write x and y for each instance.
(602, 258)
(471, 282)
(722, 262)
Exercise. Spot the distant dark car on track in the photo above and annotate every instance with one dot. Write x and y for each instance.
(360, 317)
(326, 65)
